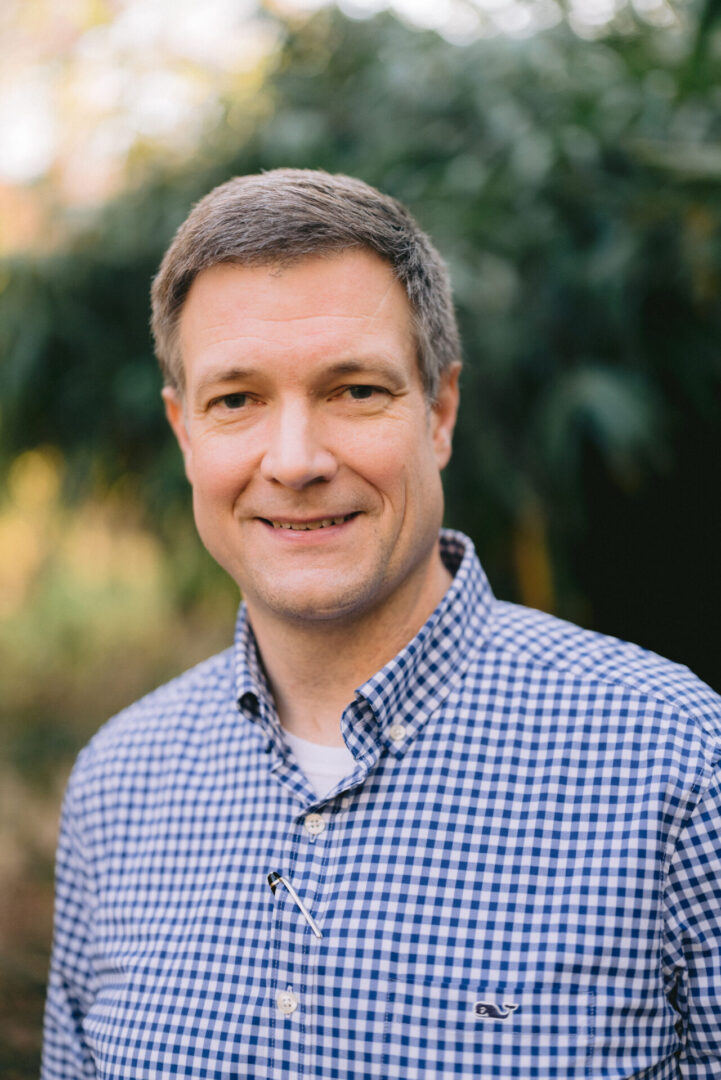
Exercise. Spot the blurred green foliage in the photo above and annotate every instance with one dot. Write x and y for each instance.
(574, 188)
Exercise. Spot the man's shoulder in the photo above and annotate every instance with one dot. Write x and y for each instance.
(172, 716)
(591, 658)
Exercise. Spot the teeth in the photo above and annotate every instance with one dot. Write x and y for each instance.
(308, 525)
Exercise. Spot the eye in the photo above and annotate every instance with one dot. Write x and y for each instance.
(363, 393)
(232, 401)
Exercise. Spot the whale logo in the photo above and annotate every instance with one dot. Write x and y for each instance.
(488, 1010)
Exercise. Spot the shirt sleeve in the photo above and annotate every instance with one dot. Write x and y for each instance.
(70, 986)
(693, 927)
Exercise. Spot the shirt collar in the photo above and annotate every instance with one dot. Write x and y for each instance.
(251, 684)
(404, 693)
(411, 686)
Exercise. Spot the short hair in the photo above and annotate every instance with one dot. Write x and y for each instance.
(286, 215)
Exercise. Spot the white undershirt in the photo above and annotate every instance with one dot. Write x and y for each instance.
(324, 766)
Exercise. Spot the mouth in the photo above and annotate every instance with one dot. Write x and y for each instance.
(309, 525)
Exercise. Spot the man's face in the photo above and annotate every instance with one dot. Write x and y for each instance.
(313, 454)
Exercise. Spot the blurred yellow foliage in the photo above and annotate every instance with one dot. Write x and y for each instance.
(532, 559)
(34, 479)
(90, 568)
(86, 552)
(96, 552)
(33, 487)
(20, 556)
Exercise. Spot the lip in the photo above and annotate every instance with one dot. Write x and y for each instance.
(308, 534)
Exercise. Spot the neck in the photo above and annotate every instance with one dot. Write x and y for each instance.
(314, 667)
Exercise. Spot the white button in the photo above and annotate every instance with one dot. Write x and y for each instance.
(398, 732)
(287, 1002)
(314, 824)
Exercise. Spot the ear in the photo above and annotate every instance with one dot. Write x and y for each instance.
(175, 413)
(443, 414)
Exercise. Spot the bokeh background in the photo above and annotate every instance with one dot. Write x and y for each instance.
(566, 157)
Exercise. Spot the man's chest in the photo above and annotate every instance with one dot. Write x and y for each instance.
(490, 916)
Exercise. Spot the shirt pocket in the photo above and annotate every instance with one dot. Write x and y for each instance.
(466, 1029)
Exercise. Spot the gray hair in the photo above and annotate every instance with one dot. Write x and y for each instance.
(286, 215)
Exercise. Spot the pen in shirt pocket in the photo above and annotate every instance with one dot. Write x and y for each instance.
(274, 878)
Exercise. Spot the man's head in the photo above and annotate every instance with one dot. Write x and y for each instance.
(287, 215)
(312, 436)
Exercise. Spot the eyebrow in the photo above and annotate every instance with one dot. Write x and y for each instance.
(373, 365)
(227, 375)
(370, 366)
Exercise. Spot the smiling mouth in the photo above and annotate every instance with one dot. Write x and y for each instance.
(308, 526)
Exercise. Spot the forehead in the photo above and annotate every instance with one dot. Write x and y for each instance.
(338, 307)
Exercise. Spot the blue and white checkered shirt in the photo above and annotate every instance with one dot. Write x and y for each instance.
(520, 878)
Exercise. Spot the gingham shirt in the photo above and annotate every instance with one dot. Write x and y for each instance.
(520, 878)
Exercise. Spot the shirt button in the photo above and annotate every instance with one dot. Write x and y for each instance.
(398, 732)
(287, 1002)
(314, 824)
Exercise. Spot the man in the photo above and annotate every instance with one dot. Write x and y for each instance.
(401, 829)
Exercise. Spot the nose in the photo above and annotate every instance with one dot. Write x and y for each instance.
(296, 455)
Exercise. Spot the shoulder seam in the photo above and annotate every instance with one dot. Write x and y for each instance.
(584, 670)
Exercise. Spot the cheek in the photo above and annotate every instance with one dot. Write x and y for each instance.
(384, 466)
(423, 489)
(220, 469)
(386, 453)
(407, 479)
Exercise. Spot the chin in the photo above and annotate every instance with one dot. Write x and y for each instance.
(324, 609)
(317, 605)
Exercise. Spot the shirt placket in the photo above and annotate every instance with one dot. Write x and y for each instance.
(299, 878)
(297, 883)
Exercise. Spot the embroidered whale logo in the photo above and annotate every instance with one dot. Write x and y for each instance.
(488, 1010)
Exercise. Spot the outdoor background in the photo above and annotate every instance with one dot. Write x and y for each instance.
(566, 157)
